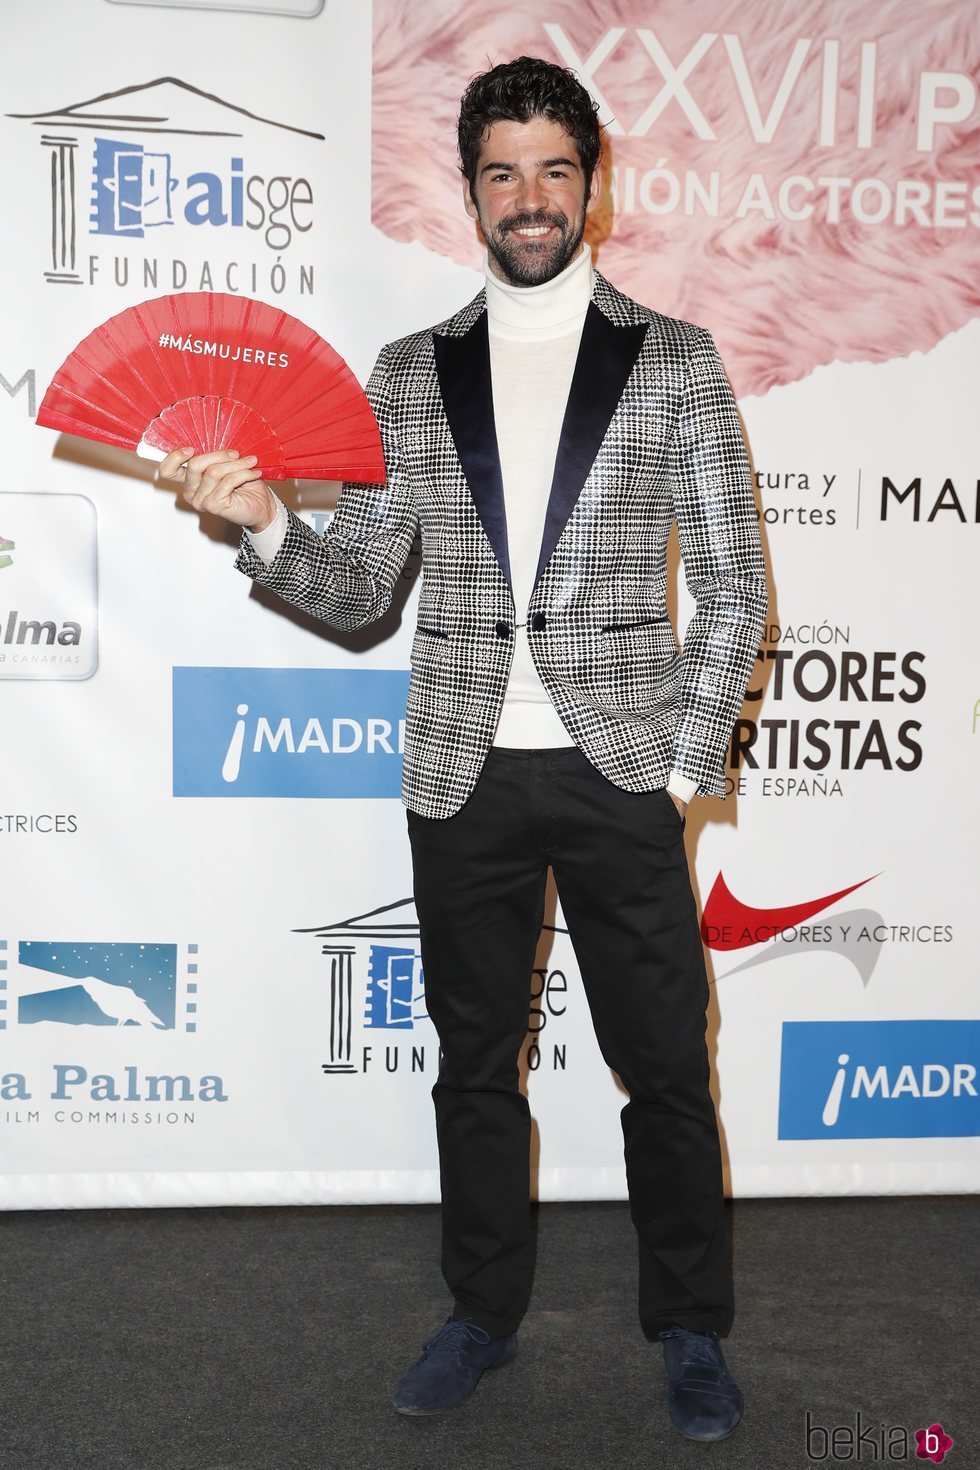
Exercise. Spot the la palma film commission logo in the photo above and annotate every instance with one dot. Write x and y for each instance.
(85, 995)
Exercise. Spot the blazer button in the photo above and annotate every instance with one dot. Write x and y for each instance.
(538, 623)
(503, 629)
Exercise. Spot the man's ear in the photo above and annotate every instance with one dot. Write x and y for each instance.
(595, 188)
(468, 203)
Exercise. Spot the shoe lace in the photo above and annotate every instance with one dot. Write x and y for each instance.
(696, 1347)
(454, 1335)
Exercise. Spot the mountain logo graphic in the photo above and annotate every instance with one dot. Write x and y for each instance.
(152, 986)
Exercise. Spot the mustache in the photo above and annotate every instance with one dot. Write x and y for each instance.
(533, 221)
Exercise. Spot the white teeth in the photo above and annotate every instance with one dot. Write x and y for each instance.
(538, 230)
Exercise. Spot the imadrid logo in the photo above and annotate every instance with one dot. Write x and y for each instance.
(879, 1079)
(288, 732)
(214, 171)
(48, 587)
(377, 984)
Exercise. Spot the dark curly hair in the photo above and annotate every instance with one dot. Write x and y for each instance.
(518, 90)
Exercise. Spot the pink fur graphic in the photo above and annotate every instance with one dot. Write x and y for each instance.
(781, 295)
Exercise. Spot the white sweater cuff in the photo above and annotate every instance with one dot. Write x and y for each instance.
(266, 543)
(682, 786)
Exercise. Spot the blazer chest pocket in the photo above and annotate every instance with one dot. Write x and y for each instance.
(627, 627)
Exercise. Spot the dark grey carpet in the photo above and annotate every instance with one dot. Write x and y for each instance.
(268, 1339)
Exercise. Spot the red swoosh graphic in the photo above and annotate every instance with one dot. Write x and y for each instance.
(727, 923)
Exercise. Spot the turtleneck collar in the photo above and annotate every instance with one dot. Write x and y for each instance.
(537, 313)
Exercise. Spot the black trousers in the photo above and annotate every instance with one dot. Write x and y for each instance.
(621, 873)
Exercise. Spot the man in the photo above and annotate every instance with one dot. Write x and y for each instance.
(542, 441)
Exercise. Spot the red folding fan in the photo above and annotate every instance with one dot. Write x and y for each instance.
(218, 372)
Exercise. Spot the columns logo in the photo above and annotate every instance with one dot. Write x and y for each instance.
(49, 587)
(213, 167)
(394, 997)
(879, 1079)
(380, 950)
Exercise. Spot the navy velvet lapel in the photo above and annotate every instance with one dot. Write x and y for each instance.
(606, 357)
(463, 369)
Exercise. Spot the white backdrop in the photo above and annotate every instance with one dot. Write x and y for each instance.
(210, 983)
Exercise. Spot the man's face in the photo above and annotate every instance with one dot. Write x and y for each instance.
(530, 199)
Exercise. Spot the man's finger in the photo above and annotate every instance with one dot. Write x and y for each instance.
(202, 462)
(214, 472)
(215, 492)
(172, 467)
(184, 465)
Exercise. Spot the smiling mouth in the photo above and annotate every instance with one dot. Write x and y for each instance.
(532, 229)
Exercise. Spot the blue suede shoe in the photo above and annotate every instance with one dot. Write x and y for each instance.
(450, 1367)
(704, 1400)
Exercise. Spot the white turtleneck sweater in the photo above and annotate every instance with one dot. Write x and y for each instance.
(534, 338)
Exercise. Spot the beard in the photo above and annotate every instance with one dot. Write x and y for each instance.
(533, 262)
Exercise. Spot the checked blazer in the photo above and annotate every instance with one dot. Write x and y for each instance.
(650, 435)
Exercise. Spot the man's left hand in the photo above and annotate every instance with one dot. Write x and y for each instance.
(680, 805)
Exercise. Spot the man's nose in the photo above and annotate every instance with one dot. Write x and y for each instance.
(532, 195)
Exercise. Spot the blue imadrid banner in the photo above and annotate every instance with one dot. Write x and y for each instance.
(240, 732)
(879, 1079)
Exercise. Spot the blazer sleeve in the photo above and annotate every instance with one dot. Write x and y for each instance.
(347, 576)
(718, 531)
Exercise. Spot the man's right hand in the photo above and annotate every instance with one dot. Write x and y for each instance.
(223, 484)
